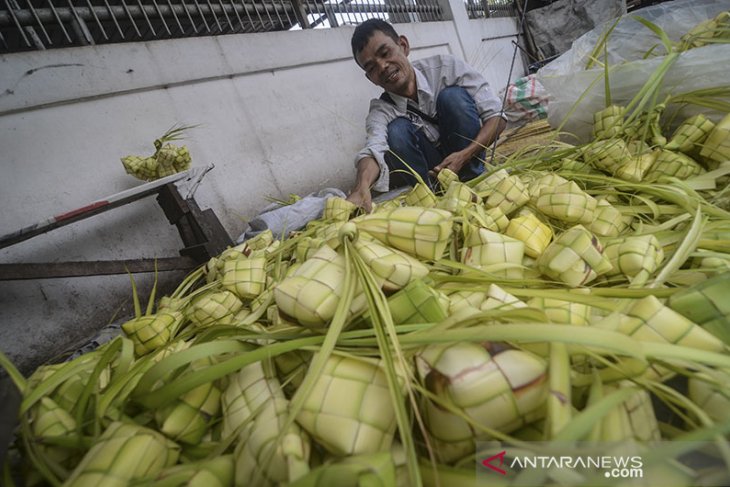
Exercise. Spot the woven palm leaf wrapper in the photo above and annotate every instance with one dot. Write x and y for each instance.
(575, 258)
(167, 160)
(493, 251)
(485, 386)
(345, 426)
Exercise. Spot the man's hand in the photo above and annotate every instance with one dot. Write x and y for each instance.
(454, 161)
(367, 173)
(489, 131)
(362, 198)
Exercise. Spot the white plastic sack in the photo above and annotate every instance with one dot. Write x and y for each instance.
(575, 94)
(630, 40)
(281, 219)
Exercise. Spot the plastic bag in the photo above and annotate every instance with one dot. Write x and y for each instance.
(526, 100)
(576, 93)
(630, 40)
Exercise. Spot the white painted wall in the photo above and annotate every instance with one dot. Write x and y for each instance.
(278, 113)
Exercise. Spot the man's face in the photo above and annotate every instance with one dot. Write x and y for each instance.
(386, 64)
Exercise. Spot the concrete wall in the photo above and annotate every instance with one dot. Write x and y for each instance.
(278, 113)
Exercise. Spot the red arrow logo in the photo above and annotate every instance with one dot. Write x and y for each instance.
(488, 462)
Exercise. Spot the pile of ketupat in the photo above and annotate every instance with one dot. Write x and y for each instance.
(167, 160)
(567, 295)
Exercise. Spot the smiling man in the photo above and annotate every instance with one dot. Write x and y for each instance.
(435, 113)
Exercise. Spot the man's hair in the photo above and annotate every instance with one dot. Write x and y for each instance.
(365, 31)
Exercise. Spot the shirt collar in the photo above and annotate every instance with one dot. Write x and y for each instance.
(422, 85)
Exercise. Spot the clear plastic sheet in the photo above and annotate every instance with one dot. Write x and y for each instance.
(577, 93)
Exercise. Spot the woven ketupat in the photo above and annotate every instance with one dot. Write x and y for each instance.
(567, 202)
(214, 308)
(245, 277)
(420, 232)
(672, 164)
(707, 304)
(417, 303)
(509, 194)
(311, 293)
(483, 249)
(349, 410)
(502, 390)
(575, 258)
(535, 234)
(634, 255)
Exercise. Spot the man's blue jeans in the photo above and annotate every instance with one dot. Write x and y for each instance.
(459, 124)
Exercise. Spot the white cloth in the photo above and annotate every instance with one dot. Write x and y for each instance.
(433, 74)
(281, 219)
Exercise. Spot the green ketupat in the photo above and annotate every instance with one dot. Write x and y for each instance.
(445, 177)
(187, 420)
(608, 123)
(460, 300)
(167, 160)
(637, 166)
(690, 134)
(338, 209)
(567, 203)
(349, 410)
(549, 181)
(420, 195)
(311, 293)
(417, 303)
(672, 164)
(245, 277)
(48, 421)
(490, 218)
(166, 156)
(716, 148)
(509, 194)
(608, 221)
(636, 257)
(709, 390)
(498, 298)
(607, 155)
(420, 232)
(650, 320)
(260, 419)
(502, 390)
(396, 269)
(493, 251)
(632, 420)
(457, 197)
(144, 168)
(150, 332)
(528, 228)
(213, 308)
(706, 304)
(123, 453)
(575, 258)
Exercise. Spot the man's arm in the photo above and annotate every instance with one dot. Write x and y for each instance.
(368, 172)
(486, 136)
